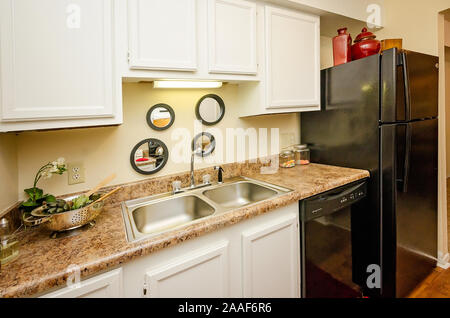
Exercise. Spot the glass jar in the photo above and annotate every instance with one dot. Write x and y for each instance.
(302, 155)
(287, 159)
(5, 229)
(9, 247)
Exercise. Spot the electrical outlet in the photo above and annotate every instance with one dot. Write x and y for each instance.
(76, 173)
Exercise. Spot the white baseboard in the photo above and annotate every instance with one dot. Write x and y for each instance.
(443, 260)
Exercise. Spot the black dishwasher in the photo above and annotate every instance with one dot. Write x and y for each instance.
(326, 242)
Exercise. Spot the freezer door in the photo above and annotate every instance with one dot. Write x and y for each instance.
(409, 204)
(409, 86)
(421, 91)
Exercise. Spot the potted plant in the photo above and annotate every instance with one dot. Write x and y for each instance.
(36, 195)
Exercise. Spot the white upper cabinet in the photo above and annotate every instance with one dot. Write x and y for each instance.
(189, 40)
(292, 58)
(57, 64)
(162, 34)
(289, 64)
(232, 37)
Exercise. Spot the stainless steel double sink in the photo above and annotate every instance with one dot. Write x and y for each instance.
(156, 214)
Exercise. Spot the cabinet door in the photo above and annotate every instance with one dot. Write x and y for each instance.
(271, 259)
(232, 36)
(56, 59)
(292, 58)
(200, 274)
(162, 34)
(108, 285)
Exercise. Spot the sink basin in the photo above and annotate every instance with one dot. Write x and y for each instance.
(239, 194)
(153, 215)
(170, 213)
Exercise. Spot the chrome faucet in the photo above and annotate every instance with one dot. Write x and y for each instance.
(194, 152)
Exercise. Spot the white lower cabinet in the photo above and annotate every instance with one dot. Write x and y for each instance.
(270, 259)
(107, 285)
(202, 273)
(258, 257)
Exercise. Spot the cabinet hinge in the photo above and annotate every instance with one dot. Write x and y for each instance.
(128, 56)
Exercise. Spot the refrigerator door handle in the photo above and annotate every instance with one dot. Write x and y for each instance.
(404, 64)
(406, 164)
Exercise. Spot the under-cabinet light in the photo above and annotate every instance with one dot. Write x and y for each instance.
(186, 84)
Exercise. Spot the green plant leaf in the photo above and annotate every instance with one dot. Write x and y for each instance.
(79, 202)
(29, 203)
(38, 194)
(34, 193)
(49, 198)
(30, 192)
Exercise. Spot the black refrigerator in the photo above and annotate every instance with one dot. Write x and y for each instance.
(380, 114)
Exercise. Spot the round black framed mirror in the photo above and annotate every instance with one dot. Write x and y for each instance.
(203, 144)
(160, 117)
(149, 156)
(210, 109)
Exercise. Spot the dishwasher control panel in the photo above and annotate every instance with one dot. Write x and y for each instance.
(333, 200)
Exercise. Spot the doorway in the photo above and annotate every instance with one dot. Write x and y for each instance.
(444, 55)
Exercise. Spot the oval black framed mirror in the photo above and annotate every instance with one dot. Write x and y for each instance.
(203, 144)
(149, 156)
(210, 109)
(160, 117)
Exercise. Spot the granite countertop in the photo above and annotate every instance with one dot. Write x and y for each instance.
(43, 262)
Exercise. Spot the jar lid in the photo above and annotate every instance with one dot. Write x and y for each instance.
(300, 147)
(365, 35)
(286, 153)
(342, 31)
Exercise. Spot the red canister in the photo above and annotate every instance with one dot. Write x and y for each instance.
(342, 47)
(365, 45)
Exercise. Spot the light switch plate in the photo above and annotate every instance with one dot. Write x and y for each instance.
(76, 173)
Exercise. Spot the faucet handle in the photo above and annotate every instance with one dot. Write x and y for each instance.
(176, 186)
(206, 179)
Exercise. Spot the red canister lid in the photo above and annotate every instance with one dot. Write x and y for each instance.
(365, 35)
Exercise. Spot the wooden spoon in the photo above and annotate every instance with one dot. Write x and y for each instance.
(107, 195)
(101, 185)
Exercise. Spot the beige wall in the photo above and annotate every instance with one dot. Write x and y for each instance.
(415, 21)
(8, 171)
(106, 150)
(326, 52)
(355, 9)
(416, 25)
(447, 27)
